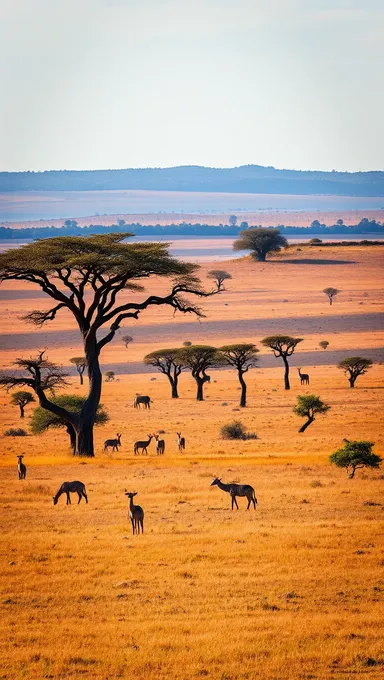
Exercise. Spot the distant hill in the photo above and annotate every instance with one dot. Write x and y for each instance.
(244, 179)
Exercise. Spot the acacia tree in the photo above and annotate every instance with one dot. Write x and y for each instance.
(127, 339)
(331, 292)
(260, 241)
(169, 362)
(219, 276)
(85, 275)
(199, 358)
(353, 367)
(43, 420)
(323, 344)
(354, 455)
(308, 406)
(81, 364)
(242, 357)
(109, 376)
(21, 399)
(282, 346)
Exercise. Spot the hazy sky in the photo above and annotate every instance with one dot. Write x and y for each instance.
(138, 83)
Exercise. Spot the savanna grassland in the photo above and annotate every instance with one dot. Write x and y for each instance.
(291, 591)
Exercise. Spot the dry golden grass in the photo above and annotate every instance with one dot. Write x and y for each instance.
(293, 591)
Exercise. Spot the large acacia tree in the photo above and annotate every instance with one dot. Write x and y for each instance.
(242, 357)
(169, 362)
(353, 367)
(260, 241)
(282, 346)
(90, 278)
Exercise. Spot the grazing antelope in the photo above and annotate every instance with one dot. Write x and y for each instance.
(180, 442)
(142, 400)
(115, 443)
(22, 469)
(142, 445)
(71, 487)
(304, 377)
(160, 445)
(237, 490)
(136, 513)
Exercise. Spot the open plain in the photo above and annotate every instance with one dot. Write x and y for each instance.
(291, 591)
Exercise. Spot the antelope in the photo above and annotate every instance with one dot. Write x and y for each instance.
(136, 513)
(304, 377)
(115, 443)
(180, 442)
(22, 469)
(142, 400)
(237, 490)
(71, 487)
(160, 445)
(142, 445)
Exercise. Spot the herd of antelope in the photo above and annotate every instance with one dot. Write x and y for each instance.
(141, 446)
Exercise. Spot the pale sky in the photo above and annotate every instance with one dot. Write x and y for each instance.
(155, 83)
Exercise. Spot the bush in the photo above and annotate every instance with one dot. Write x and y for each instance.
(236, 430)
(15, 432)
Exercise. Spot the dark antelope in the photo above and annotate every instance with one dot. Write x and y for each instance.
(142, 445)
(115, 443)
(180, 442)
(237, 490)
(22, 469)
(71, 487)
(160, 445)
(304, 377)
(142, 400)
(136, 513)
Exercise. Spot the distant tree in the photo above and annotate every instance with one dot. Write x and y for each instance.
(187, 343)
(71, 224)
(199, 358)
(244, 225)
(315, 241)
(260, 241)
(340, 222)
(323, 344)
(81, 364)
(353, 367)
(110, 376)
(121, 223)
(127, 339)
(232, 220)
(21, 399)
(282, 346)
(242, 357)
(43, 420)
(169, 362)
(354, 455)
(315, 224)
(308, 406)
(331, 292)
(219, 276)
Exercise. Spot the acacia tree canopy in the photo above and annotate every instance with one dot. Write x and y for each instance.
(219, 276)
(260, 241)
(199, 358)
(308, 406)
(353, 367)
(354, 455)
(80, 363)
(67, 268)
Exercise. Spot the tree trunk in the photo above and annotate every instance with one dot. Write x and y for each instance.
(286, 374)
(261, 257)
(72, 437)
(307, 424)
(21, 410)
(243, 398)
(351, 476)
(86, 421)
(173, 380)
(81, 379)
(330, 300)
(352, 381)
(84, 440)
(200, 386)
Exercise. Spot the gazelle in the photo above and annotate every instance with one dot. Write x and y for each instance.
(142, 445)
(22, 469)
(71, 487)
(237, 490)
(136, 513)
(304, 377)
(180, 442)
(115, 443)
(160, 445)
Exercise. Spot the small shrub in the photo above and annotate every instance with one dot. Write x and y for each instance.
(236, 430)
(15, 432)
(315, 484)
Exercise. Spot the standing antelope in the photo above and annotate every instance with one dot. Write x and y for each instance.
(142, 400)
(22, 469)
(237, 490)
(115, 443)
(180, 442)
(142, 445)
(71, 487)
(136, 514)
(160, 445)
(304, 377)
